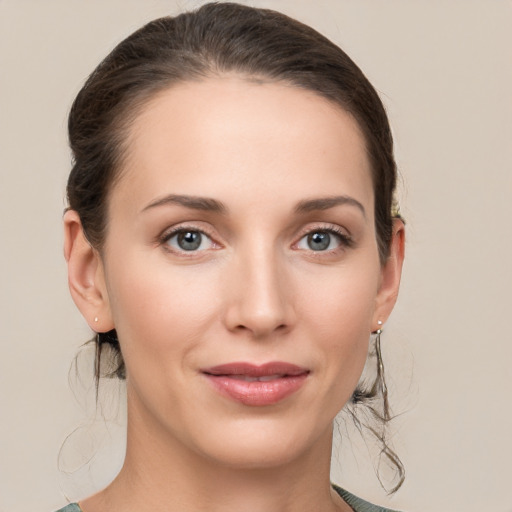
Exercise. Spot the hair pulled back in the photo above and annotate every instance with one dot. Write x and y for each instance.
(214, 40)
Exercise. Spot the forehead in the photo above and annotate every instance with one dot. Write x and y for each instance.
(228, 134)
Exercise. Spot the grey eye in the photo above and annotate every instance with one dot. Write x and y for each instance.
(189, 240)
(322, 240)
(319, 241)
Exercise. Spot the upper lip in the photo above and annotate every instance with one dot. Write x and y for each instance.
(253, 370)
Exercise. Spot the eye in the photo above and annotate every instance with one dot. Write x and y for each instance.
(189, 240)
(323, 240)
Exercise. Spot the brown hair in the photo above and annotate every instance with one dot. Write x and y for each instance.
(215, 39)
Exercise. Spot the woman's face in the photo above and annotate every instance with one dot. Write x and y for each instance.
(241, 268)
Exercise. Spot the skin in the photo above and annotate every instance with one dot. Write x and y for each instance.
(255, 291)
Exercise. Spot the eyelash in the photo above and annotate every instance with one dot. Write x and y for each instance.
(164, 238)
(345, 240)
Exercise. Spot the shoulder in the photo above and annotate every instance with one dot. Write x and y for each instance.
(73, 507)
(358, 504)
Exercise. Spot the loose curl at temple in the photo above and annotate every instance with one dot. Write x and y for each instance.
(216, 40)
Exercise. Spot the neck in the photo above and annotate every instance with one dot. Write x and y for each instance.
(160, 473)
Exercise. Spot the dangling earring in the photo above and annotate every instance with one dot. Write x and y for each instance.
(380, 371)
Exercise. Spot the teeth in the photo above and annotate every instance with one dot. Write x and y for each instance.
(269, 377)
(248, 378)
(245, 378)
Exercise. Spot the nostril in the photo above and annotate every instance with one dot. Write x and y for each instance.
(258, 303)
(260, 330)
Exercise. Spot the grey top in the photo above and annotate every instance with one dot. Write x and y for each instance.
(357, 504)
(73, 507)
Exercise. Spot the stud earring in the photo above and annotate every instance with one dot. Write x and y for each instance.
(95, 318)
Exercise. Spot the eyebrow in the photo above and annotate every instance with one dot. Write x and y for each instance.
(193, 202)
(212, 205)
(324, 203)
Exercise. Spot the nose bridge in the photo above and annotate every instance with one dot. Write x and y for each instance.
(259, 301)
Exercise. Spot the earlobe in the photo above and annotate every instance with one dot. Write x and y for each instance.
(391, 273)
(85, 275)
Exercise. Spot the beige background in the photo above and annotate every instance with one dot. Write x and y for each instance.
(444, 69)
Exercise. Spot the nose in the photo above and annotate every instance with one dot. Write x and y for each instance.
(259, 296)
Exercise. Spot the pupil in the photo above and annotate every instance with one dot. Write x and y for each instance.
(189, 240)
(319, 241)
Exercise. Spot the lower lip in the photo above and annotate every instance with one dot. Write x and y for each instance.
(257, 393)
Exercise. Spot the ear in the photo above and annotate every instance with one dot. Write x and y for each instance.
(86, 277)
(391, 273)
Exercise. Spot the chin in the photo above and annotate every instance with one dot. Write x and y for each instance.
(262, 444)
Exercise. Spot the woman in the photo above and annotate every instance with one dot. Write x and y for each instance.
(231, 236)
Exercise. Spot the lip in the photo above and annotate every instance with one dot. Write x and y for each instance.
(257, 385)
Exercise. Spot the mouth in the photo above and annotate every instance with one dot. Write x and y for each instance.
(257, 385)
(266, 378)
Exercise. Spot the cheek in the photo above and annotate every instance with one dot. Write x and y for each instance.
(341, 300)
(159, 310)
(339, 311)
